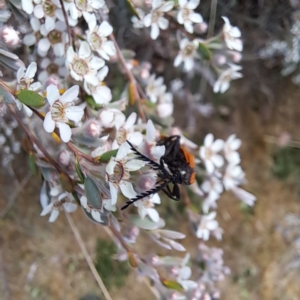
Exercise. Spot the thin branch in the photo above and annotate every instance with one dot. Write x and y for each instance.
(66, 21)
(210, 32)
(120, 238)
(128, 73)
(34, 139)
(3, 275)
(14, 196)
(87, 257)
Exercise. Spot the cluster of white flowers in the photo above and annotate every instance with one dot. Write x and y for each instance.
(221, 161)
(111, 150)
(288, 49)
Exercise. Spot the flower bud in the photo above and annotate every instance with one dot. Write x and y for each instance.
(92, 129)
(53, 79)
(10, 36)
(220, 59)
(64, 157)
(201, 28)
(236, 56)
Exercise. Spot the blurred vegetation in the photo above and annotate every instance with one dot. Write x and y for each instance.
(112, 271)
(286, 163)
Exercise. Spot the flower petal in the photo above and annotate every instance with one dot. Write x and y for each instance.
(54, 215)
(49, 124)
(127, 189)
(52, 94)
(70, 95)
(64, 131)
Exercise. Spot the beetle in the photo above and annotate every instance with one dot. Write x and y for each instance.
(175, 167)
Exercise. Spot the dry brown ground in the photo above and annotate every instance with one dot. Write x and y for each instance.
(253, 248)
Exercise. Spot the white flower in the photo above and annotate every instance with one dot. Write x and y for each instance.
(156, 19)
(117, 173)
(100, 92)
(208, 152)
(146, 207)
(10, 36)
(138, 23)
(125, 132)
(184, 274)
(76, 7)
(52, 67)
(231, 36)
(84, 66)
(230, 147)
(165, 105)
(112, 117)
(27, 5)
(186, 14)
(223, 82)
(156, 151)
(155, 88)
(233, 176)
(62, 110)
(30, 38)
(25, 81)
(186, 54)
(50, 10)
(54, 35)
(59, 200)
(206, 225)
(213, 188)
(97, 37)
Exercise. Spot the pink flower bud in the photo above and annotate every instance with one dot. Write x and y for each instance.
(64, 157)
(236, 56)
(92, 129)
(201, 28)
(53, 79)
(220, 59)
(10, 36)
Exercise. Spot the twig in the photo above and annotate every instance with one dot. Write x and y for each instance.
(87, 257)
(210, 32)
(69, 144)
(120, 238)
(34, 140)
(67, 22)
(14, 196)
(128, 73)
(2, 272)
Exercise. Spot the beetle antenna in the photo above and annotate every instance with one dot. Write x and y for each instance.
(146, 194)
(155, 166)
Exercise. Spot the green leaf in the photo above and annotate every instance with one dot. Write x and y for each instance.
(32, 165)
(66, 182)
(31, 98)
(91, 103)
(146, 223)
(78, 171)
(132, 9)
(92, 193)
(105, 157)
(204, 52)
(173, 285)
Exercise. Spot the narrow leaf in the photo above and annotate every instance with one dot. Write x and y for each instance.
(92, 193)
(78, 171)
(132, 9)
(173, 285)
(132, 260)
(32, 165)
(31, 98)
(105, 157)
(204, 52)
(66, 182)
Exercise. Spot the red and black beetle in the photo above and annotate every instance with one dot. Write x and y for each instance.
(176, 166)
